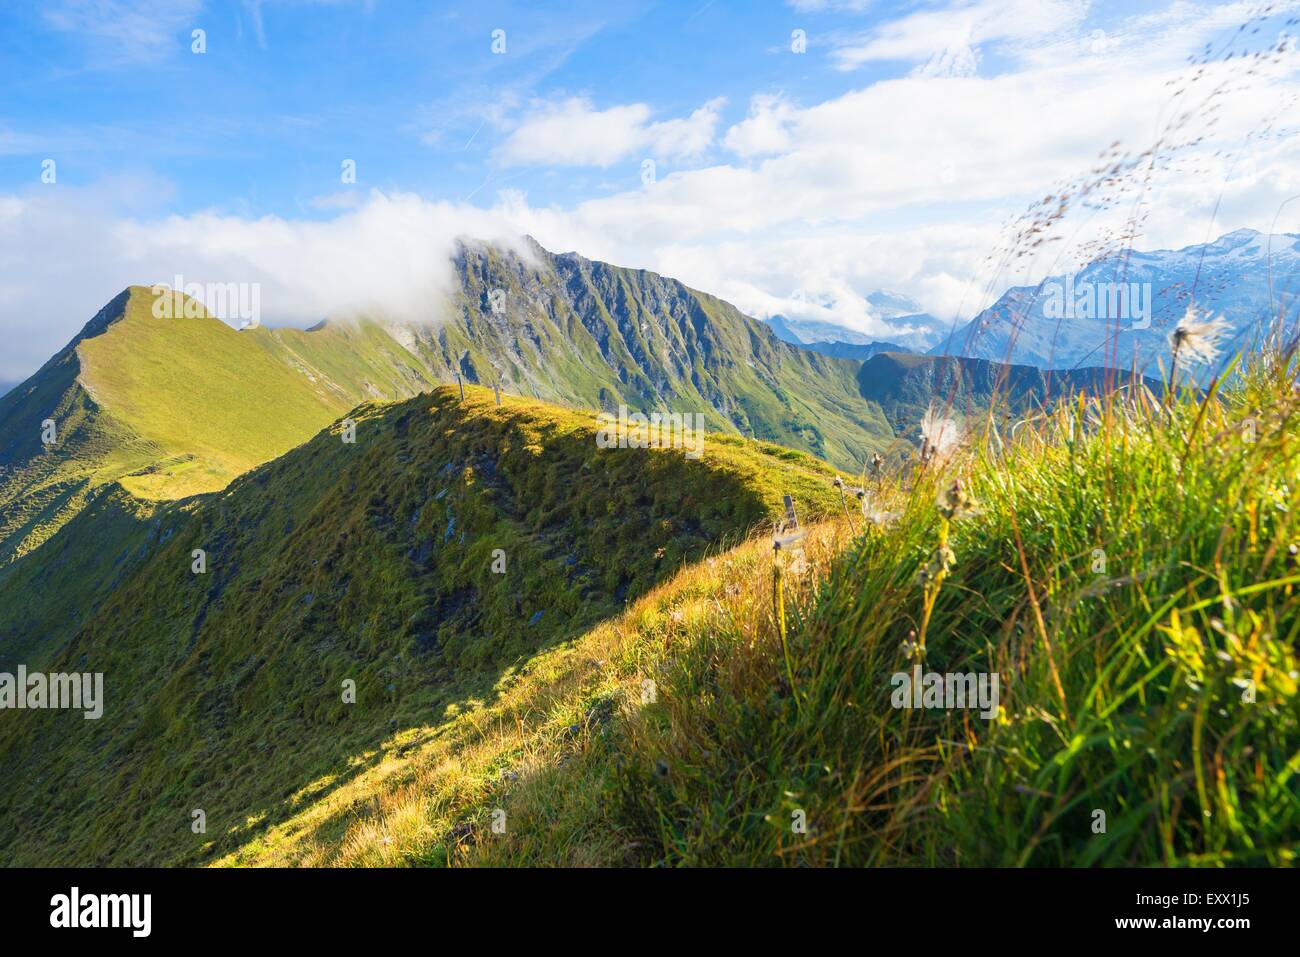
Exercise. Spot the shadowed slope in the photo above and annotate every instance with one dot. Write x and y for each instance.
(369, 562)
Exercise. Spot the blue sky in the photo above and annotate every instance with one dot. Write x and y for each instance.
(412, 91)
(888, 155)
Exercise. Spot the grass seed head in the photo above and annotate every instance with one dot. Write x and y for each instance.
(940, 436)
(1197, 340)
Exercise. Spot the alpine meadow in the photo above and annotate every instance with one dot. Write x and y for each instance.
(645, 434)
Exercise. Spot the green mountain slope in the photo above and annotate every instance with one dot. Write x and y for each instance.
(220, 402)
(144, 412)
(175, 407)
(41, 485)
(46, 598)
(369, 562)
(163, 409)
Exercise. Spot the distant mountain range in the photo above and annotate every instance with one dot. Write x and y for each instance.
(1119, 310)
(918, 330)
(853, 350)
(836, 348)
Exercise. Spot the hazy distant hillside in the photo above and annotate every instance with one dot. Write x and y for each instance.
(1246, 276)
(853, 350)
(905, 385)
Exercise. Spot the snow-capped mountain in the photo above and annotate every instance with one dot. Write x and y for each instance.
(1070, 321)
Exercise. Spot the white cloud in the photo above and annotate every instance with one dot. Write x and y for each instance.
(70, 251)
(573, 132)
(765, 131)
(818, 6)
(947, 38)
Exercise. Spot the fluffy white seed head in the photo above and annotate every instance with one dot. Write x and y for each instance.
(940, 435)
(1196, 340)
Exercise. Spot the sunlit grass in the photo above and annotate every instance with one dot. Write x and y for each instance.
(1130, 573)
(369, 562)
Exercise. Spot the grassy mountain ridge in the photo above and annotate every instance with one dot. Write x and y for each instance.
(168, 408)
(369, 562)
(1127, 569)
(222, 402)
(42, 486)
(173, 407)
(147, 412)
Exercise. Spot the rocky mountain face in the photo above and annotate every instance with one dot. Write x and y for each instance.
(568, 329)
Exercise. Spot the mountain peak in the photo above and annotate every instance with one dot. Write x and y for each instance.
(533, 245)
(113, 311)
(1237, 238)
